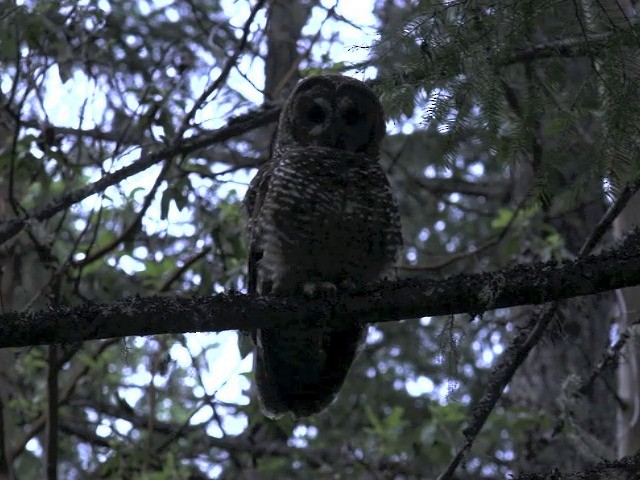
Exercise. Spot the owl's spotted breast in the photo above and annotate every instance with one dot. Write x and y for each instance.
(318, 206)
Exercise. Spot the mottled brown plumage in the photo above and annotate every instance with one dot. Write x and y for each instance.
(321, 217)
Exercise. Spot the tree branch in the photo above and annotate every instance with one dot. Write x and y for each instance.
(224, 74)
(520, 347)
(235, 127)
(626, 468)
(390, 301)
(579, 45)
(610, 215)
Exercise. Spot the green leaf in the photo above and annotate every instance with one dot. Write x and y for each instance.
(502, 219)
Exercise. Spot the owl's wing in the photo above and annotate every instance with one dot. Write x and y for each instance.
(253, 202)
(253, 205)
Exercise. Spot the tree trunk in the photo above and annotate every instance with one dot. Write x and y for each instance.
(620, 14)
(628, 419)
(580, 425)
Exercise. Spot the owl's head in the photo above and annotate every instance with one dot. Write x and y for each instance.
(332, 111)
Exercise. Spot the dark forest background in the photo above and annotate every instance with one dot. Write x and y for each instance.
(512, 130)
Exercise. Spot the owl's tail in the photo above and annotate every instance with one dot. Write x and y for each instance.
(301, 371)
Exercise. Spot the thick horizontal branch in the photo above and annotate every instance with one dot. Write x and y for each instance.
(237, 126)
(390, 301)
(626, 468)
(580, 45)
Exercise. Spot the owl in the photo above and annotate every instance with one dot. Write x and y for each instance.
(322, 220)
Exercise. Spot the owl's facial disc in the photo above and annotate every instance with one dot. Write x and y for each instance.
(335, 112)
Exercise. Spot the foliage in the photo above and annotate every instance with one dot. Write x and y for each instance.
(505, 120)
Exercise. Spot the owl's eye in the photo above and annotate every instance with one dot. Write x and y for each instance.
(316, 114)
(351, 116)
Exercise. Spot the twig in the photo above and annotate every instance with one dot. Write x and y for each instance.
(293, 68)
(39, 423)
(180, 270)
(9, 228)
(609, 359)
(607, 219)
(52, 414)
(580, 45)
(5, 464)
(514, 356)
(501, 375)
(228, 66)
(131, 229)
(495, 240)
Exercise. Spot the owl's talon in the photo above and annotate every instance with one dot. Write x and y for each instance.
(326, 290)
